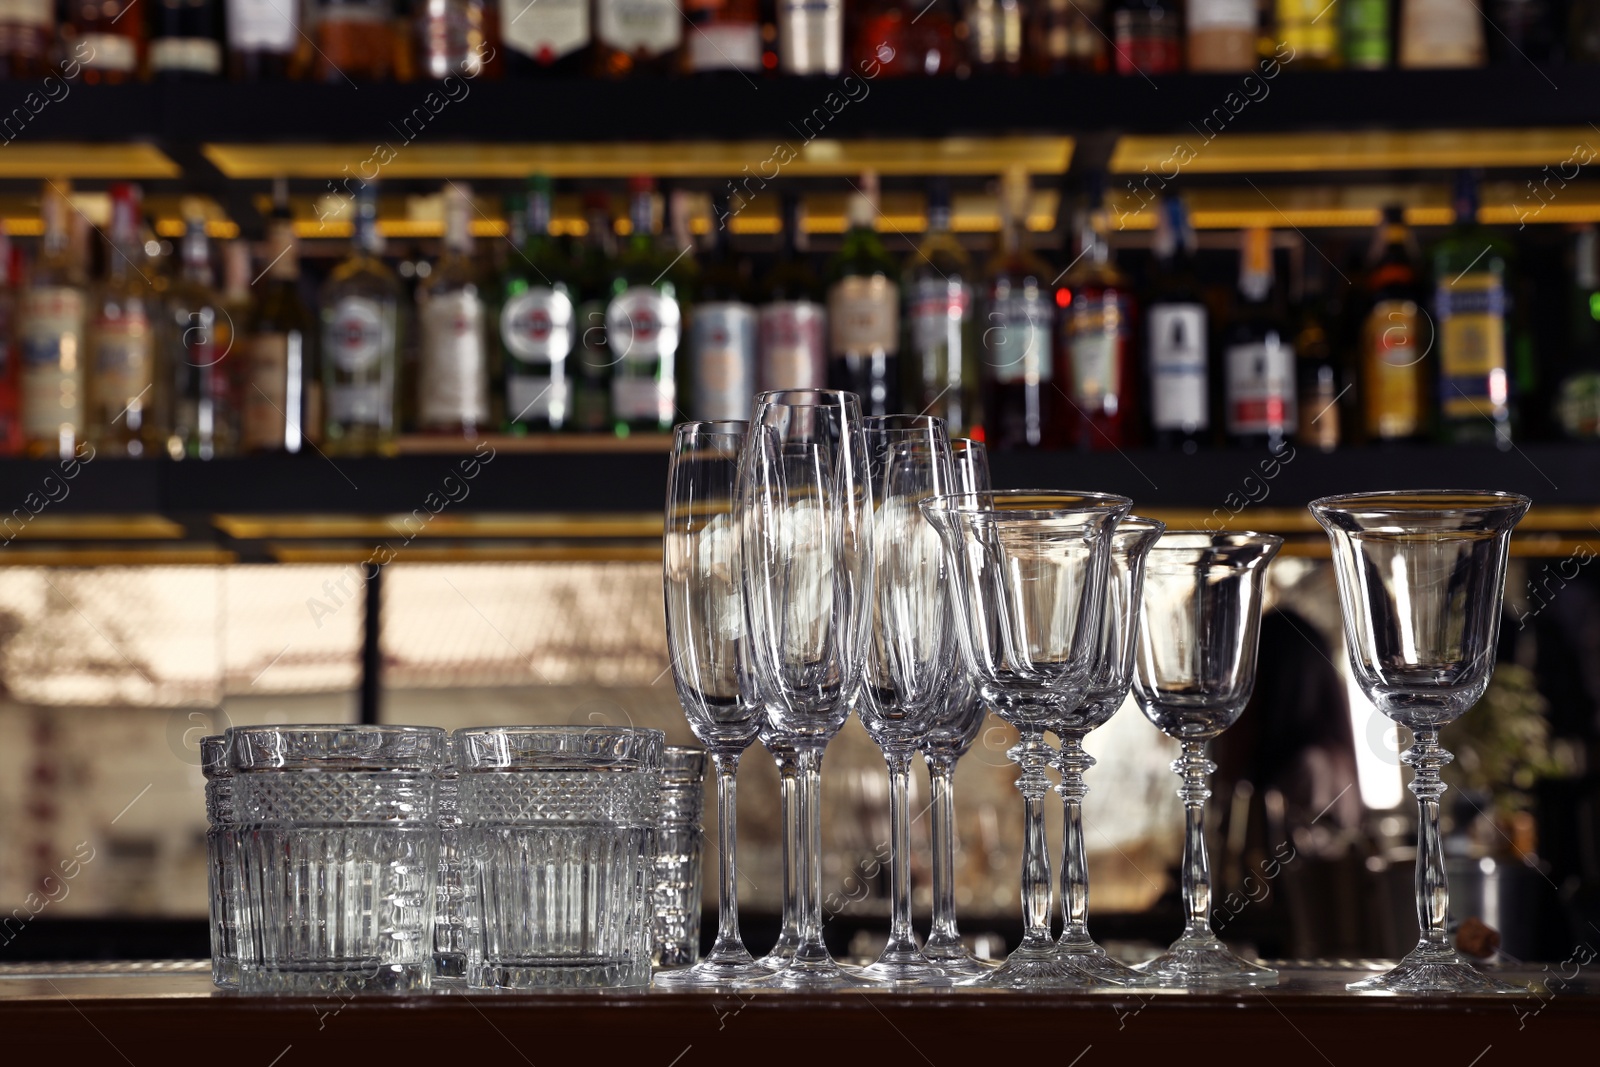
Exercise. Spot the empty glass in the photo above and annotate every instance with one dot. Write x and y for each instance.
(1195, 667)
(1421, 579)
(909, 658)
(789, 816)
(680, 850)
(222, 856)
(455, 888)
(339, 855)
(558, 825)
(1028, 572)
(805, 519)
(706, 647)
(1108, 688)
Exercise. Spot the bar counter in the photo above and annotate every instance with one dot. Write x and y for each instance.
(169, 1013)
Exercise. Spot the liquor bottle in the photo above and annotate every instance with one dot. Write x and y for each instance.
(1222, 35)
(547, 37)
(1470, 298)
(1148, 35)
(1095, 360)
(811, 37)
(724, 36)
(637, 37)
(453, 359)
(280, 396)
(1018, 371)
(109, 47)
(1310, 29)
(994, 35)
(1395, 371)
(941, 344)
(1583, 31)
(905, 38)
(11, 438)
(592, 366)
(1177, 339)
(536, 323)
(1258, 354)
(185, 44)
(360, 341)
(864, 310)
(264, 40)
(1066, 36)
(1578, 398)
(457, 37)
(1367, 44)
(644, 324)
(1441, 33)
(1317, 378)
(27, 32)
(200, 349)
(51, 328)
(354, 39)
(122, 374)
(792, 326)
(722, 331)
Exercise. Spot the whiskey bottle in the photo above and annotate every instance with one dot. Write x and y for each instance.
(793, 323)
(941, 348)
(1396, 370)
(123, 401)
(1177, 337)
(864, 310)
(1016, 346)
(1258, 354)
(280, 395)
(52, 322)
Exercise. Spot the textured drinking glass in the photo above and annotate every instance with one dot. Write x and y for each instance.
(558, 824)
(222, 856)
(909, 658)
(1027, 575)
(1421, 579)
(339, 852)
(804, 507)
(1108, 688)
(708, 653)
(1195, 666)
(955, 726)
(680, 849)
(456, 891)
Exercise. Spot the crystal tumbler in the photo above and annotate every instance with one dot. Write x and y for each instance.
(680, 850)
(339, 852)
(558, 827)
(455, 892)
(222, 862)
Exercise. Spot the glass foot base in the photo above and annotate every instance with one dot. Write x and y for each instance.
(717, 969)
(810, 973)
(955, 961)
(780, 955)
(1094, 961)
(1207, 964)
(1038, 968)
(1444, 972)
(903, 964)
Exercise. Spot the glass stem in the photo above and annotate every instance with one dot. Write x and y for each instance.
(1032, 756)
(941, 786)
(789, 815)
(808, 867)
(1195, 770)
(727, 865)
(1426, 758)
(1072, 762)
(900, 935)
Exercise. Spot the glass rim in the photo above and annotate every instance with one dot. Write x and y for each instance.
(819, 398)
(285, 747)
(919, 424)
(1092, 503)
(711, 428)
(214, 755)
(552, 747)
(1411, 503)
(1246, 545)
(1133, 526)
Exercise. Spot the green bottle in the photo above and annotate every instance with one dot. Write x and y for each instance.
(1366, 34)
(864, 310)
(1470, 304)
(644, 324)
(536, 323)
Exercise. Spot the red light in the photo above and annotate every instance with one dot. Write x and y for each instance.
(769, 60)
(976, 433)
(1063, 297)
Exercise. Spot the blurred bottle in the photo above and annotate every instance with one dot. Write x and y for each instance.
(1583, 31)
(1470, 304)
(457, 37)
(1097, 365)
(264, 40)
(1222, 35)
(354, 40)
(547, 37)
(27, 35)
(634, 37)
(361, 325)
(52, 323)
(1177, 337)
(1526, 31)
(591, 379)
(644, 324)
(1310, 28)
(993, 35)
(537, 323)
(122, 371)
(1368, 44)
(793, 326)
(941, 343)
(1441, 33)
(185, 41)
(1578, 398)
(1258, 353)
(724, 37)
(199, 347)
(1395, 370)
(453, 359)
(1017, 346)
(11, 437)
(1148, 36)
(1317, 377)
(1067, 35)
(281, 395)
(906, 38)
(722, 329)
(864, 309)
(810, 36)
(109, 46)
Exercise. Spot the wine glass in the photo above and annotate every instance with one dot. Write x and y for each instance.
(908, 662)
(1421, 578)
(1195, 666)
(782, 950)
(1028, 570)
(1108, 688)
(705, 632)
(955, 726)
(804, 511)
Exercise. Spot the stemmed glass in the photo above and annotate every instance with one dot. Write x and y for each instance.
(1028, 571)
(705, 632)
(1195, 666)
(908, 662)
(1108, 688)
(1421, 579)
(782, 950)
(955, 726)
(804, 511)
